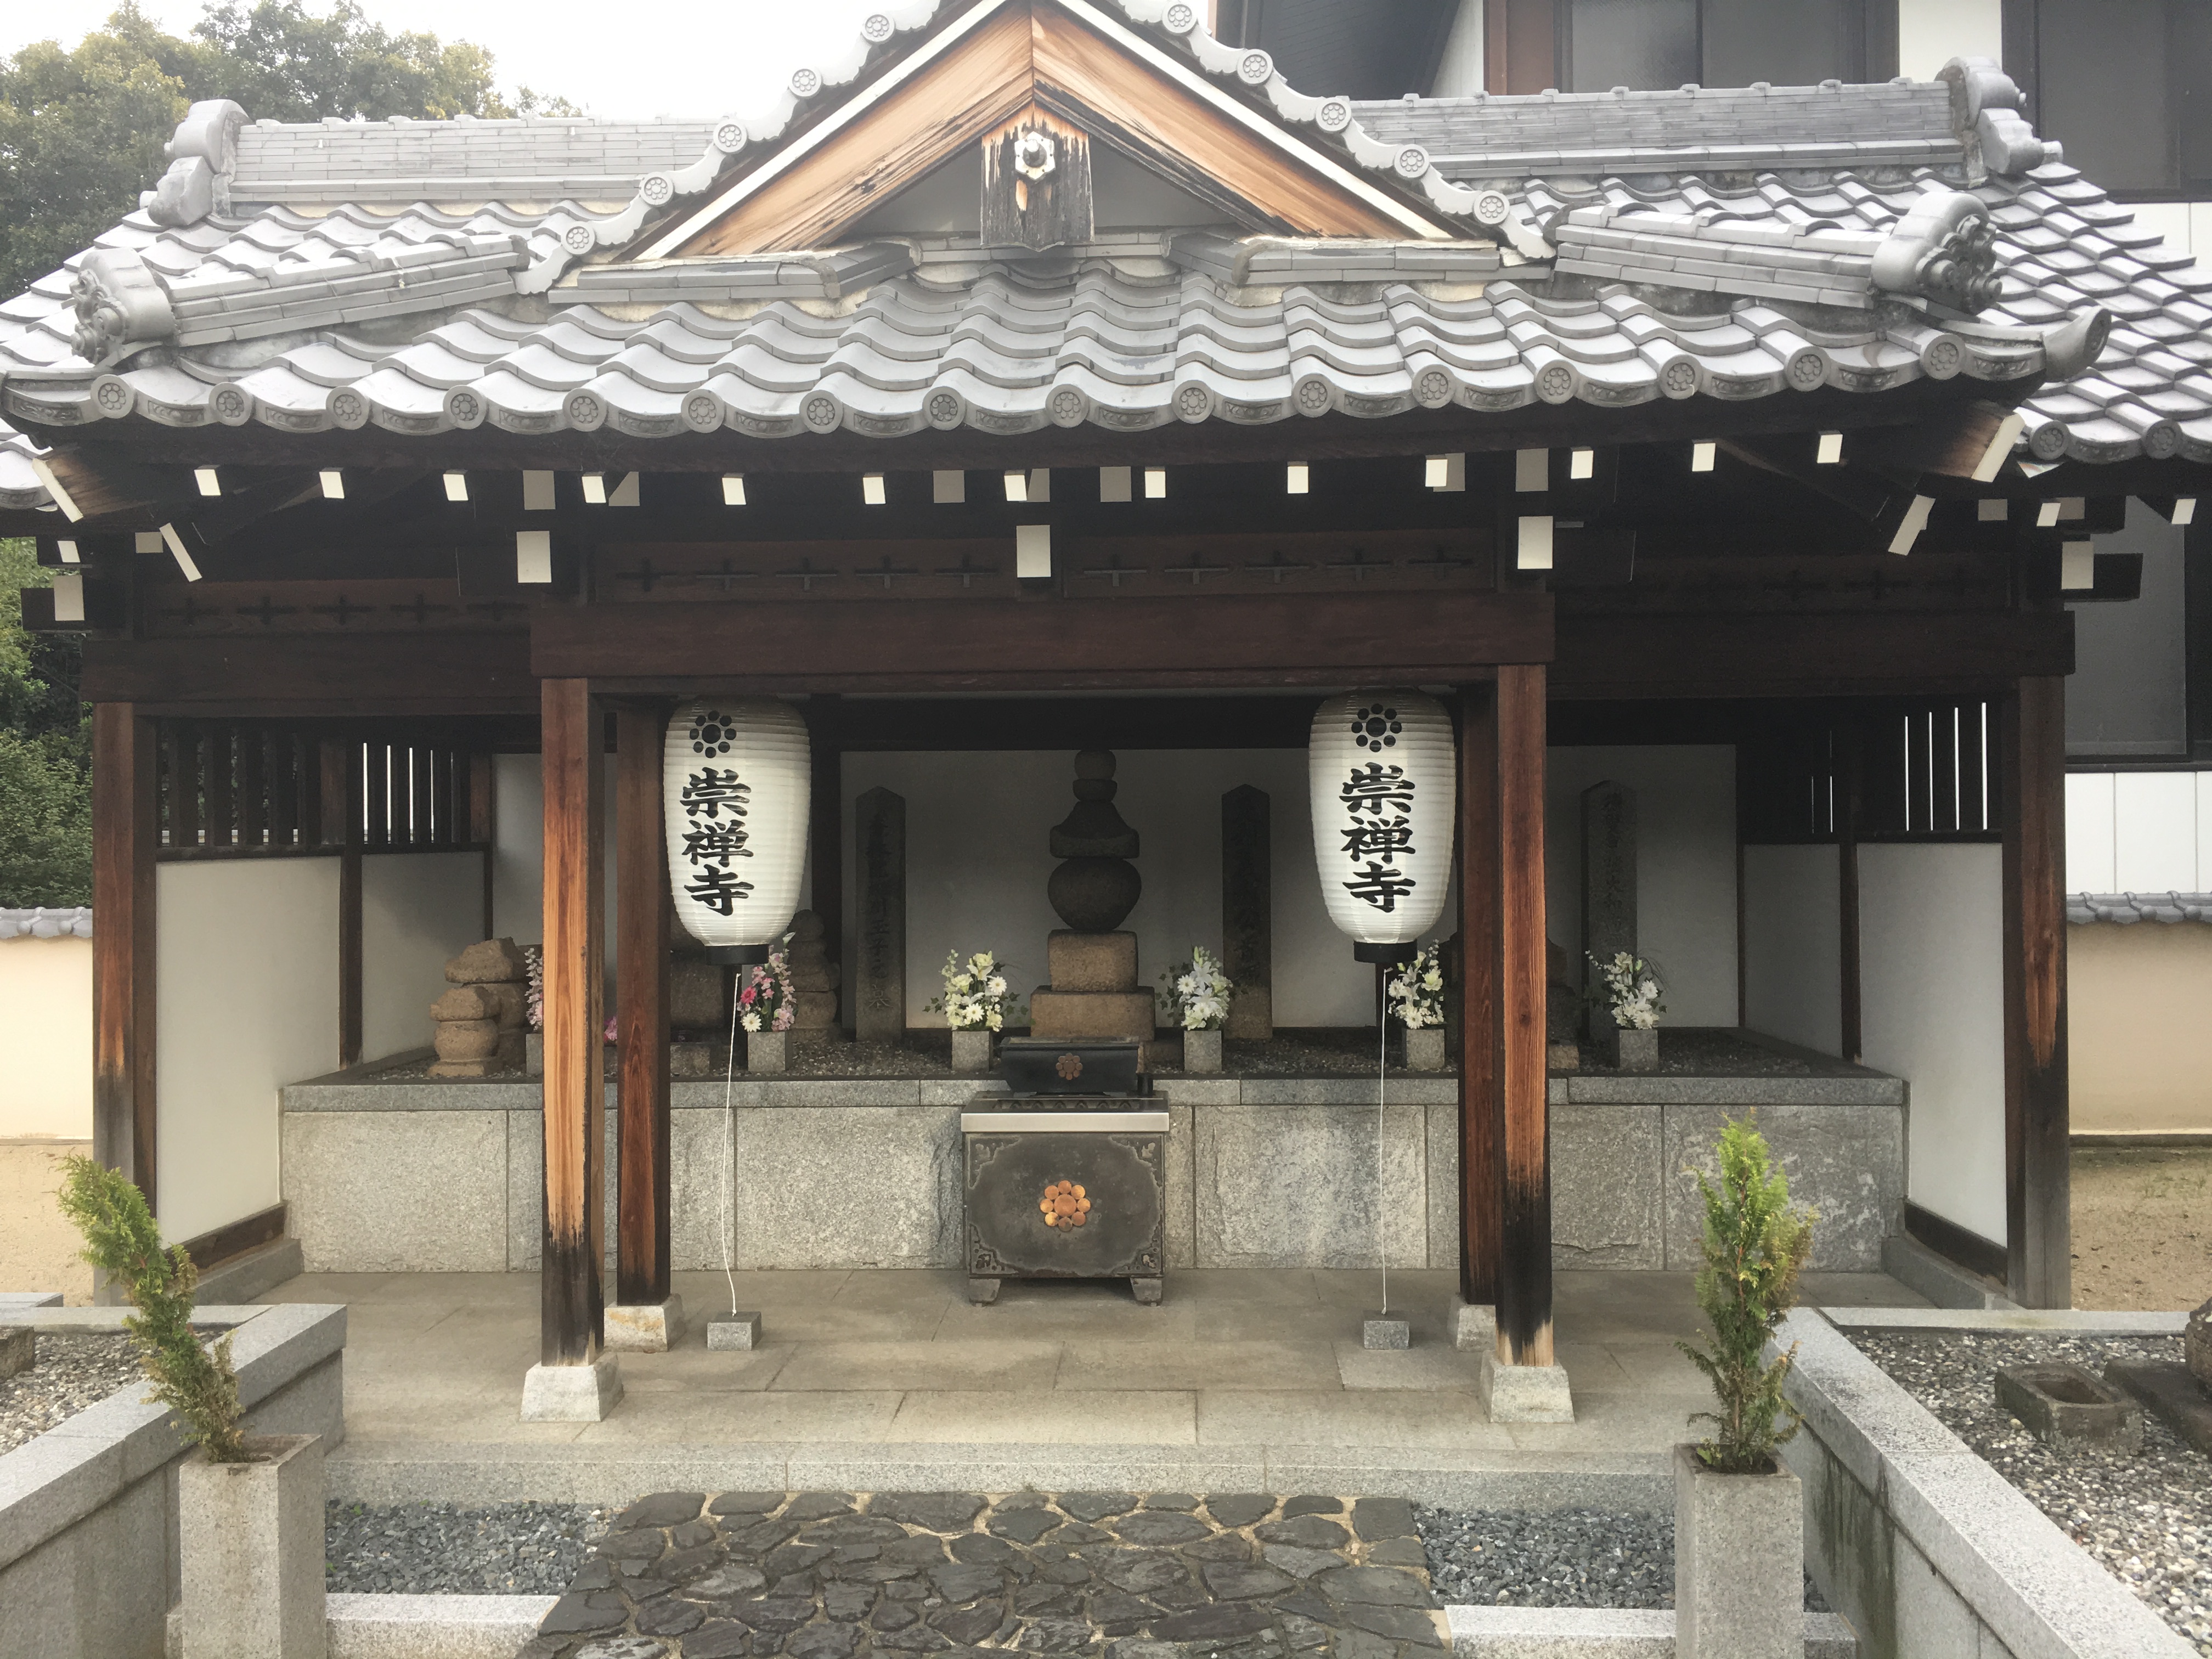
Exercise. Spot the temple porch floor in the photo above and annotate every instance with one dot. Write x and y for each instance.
(1248, 1381)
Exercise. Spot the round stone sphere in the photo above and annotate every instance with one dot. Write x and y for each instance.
(1094, 896)
(1095, 764)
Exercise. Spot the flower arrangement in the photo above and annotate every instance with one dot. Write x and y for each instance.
(1755, 1245)
(1417, 993)
(533, 963)
(767, 1001)
(1197, 991)
(1631, 991)
(974, 997)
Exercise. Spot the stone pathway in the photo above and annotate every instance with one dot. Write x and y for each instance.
(1112, 1575)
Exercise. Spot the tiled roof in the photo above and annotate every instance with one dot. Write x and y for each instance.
(427, 275)
(41, 923)
(2128, 908)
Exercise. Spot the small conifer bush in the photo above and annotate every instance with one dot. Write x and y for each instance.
(1755, 1245)
(121, 1239)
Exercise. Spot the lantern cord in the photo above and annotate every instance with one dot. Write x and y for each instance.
(1381, 1210)
(729, 1149)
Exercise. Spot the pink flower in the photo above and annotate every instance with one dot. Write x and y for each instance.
(610, 1028)
(745, 997)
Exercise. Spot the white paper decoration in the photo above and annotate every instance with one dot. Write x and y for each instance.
(1384, 786)
(736, 776)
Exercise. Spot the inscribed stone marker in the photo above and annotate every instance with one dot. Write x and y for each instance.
(1248, 938)
(879, 848)
(1608, 886)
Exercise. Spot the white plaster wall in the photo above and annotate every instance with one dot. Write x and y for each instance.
(518, 871)
(418, 910)
(246, 999)
(46, 1032)
(1931, 933)
(2138, 832)
(1685, 865)
(977, 826)
(1793, 945)
(1931, 33)
(1459, 70)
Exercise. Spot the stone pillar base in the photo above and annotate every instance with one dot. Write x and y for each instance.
(1474, 1327)
(645, 1327)
(571, 1394)
(1524, 1394)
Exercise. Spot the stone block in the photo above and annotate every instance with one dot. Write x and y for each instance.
(1180, 1239)
(1425, 1049)
(644, 1328)
(1847, 1163)
(1474, 1327)
(433, 1626)
(2197, 1345)
(466, 1039)
(1739, 1563)
(255, 1273)
(1070, 1014)
(492, 960)
(387, 1192)
(800, 1167)
(2064, 1406)
(1943, 1282)
(18, 1346)
(733, 1332)
(1443, 1175)
(2170, 1391)
(1929, 1616)
(698, 996)
(1297, 1186)
(1608, 1198)
(1385, 1333)
(879, 917)
(1201, 1051)
(571, 1394)
(1251, 1013)
(65, 1596)
(251, 1541)
(465, 1002)
(1090, 962)
(1524, 1394)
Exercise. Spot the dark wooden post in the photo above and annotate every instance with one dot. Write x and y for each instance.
(575, 1093)
(825, 831)
(1524, 1286)
(642, 1011)
(125, 828)
(1850, 791)
(2032, 737)
(482, 828)
(339, 793)
(1481, 1191)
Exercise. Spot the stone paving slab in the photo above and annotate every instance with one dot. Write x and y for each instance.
(1164, 1575)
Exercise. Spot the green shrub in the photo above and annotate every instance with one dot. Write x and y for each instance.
(1755, 1245)
(120, 1238)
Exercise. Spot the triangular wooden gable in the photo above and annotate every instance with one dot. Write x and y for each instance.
(989, 67)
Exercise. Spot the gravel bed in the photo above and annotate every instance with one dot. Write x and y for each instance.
(447, 1549)
(1554, 1557)
(67, 1373)
(2148, 1517)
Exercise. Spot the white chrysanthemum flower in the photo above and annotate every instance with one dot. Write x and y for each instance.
(997, 1020)
(751, 1022)
(997, 987)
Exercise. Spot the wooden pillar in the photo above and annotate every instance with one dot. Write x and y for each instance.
(1850, 792)
(825, 849)
(1481, 1191)
(1524, 1286)
(125, 828)
(2032, 740)
(482, 828)
(642, 1009)
(339, 797)
(570, 1286)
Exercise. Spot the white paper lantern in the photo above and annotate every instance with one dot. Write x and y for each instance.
(1381, 772)
(736, 777)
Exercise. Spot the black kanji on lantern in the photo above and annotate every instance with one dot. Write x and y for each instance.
(1375, 837)
(712, 792)
(1381, 885)
(1378, 798)
(716, 844)
(1374, 787)
(717, 888)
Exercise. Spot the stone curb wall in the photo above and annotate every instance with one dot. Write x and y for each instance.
(1480, 1633)
(89, 1508)
(420, 1626)
(1923, 1545)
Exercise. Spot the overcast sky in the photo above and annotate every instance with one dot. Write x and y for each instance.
(644, 57)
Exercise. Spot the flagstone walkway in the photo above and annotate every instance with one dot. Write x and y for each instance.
(836, 1576)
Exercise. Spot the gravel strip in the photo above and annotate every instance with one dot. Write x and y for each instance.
(67, 1373)
(446, 1549)
(2148, 1518)
(1554, 1557)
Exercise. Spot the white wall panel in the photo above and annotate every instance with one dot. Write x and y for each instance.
(1685, 865)
(1793, 945)
(1931, 33)
(2154, 832)
(418, 910)
(2089, 863)
(1932, 930)
(246, 1000)
(46, 1032)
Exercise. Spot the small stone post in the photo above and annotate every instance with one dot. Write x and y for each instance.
(879, 987)
(1248, 928)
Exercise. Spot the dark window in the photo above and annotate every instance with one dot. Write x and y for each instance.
(1786, 43)
(1594, 45)
(1631, 42)
(1375, 49)
(2125, 85)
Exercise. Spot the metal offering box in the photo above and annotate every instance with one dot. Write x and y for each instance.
(1075, 1191)
(1080, 1065)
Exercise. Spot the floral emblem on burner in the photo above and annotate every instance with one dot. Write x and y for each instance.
(1064, 1204)
(1070, 1067)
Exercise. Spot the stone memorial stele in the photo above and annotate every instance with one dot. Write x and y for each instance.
(880, 912)
(1247, 940)
(1608, 892)
(1094, 991)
